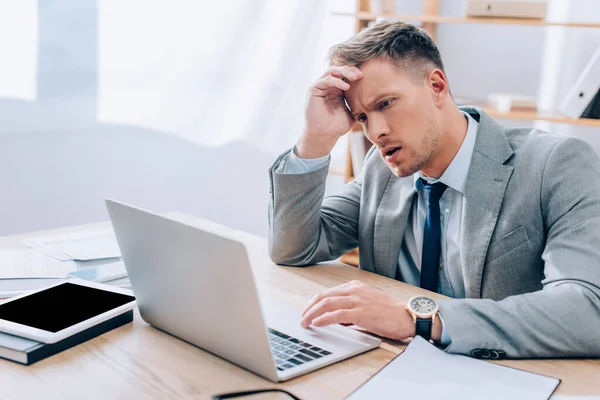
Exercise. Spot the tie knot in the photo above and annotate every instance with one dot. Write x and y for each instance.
(433, 191)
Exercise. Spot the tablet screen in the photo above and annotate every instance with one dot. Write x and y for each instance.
(61, 306)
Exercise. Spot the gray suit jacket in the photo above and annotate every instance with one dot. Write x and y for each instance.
(530, 240)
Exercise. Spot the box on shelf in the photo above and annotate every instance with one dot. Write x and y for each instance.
(504, 102)
(531, 9)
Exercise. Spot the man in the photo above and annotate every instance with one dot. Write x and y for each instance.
(504, 221)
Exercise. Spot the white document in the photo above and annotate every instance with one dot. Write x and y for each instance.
(122, 282)
(15, 287)
(29, 263)
(423, 371)
(89, 245)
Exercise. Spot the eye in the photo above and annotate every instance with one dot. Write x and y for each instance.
(361, 118)
(384, 104)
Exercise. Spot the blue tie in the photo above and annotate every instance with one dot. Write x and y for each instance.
(432, 235)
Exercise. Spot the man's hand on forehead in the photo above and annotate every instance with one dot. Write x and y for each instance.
(327, 114)
(345, 72)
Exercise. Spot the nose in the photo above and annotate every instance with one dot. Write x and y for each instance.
(377, 127)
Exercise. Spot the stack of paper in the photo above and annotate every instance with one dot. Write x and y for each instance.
(27, 269)
(88, 245)
(28, 263)
(15, 287)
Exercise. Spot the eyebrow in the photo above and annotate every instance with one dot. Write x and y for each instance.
(376, 100)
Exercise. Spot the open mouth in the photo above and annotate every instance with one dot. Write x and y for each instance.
(392, 154)
(392, 151)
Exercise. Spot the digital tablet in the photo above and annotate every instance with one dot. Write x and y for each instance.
(61, 310)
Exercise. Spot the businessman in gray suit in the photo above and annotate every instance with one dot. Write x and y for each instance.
(505, 221)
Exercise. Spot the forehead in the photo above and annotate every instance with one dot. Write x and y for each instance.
(379, 77)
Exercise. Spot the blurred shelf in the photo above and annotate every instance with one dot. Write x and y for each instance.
(429, 20)
(366, 16)
(350, 258)
(541, 116)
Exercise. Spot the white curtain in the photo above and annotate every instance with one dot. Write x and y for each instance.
(18, 49)
(209, 71)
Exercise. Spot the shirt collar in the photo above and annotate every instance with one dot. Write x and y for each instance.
(455, 176)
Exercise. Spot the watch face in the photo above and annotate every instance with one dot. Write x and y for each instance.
(423, 305)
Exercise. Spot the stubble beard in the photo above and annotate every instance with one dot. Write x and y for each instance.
(418, 157)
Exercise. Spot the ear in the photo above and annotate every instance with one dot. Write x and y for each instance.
(439, 87)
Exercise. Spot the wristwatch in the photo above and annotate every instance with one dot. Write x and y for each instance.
(423, 309)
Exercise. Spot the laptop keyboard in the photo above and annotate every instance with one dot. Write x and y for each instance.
(290, 352)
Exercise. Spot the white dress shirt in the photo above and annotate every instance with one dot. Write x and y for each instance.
(451, 282)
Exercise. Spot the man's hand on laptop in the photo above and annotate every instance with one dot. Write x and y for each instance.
(355, 303)
(327, 116)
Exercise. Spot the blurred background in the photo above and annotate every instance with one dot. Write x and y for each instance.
(183, 105)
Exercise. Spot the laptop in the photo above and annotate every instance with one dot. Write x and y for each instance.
(197, 284)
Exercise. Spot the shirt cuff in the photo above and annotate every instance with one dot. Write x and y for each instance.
(445, 339)
(292, 164)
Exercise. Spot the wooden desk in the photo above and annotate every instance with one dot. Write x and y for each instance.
(139, 362)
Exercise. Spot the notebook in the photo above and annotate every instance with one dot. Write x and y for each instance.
(27, 351)
(423, 371)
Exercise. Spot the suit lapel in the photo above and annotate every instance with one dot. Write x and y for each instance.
(390, 223)
(483, 197)
(484, 191)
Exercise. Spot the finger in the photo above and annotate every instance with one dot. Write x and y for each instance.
(344, 289)
(342, 72)
(346, 317)
(353, 73)
(334, 70)
(331, 82)
(357, 71)
(347, 72)
(326, 305)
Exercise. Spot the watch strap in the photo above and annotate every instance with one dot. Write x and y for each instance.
(423, 328)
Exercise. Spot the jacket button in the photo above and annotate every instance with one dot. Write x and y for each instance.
(485, 353)
(476, 353)
(501, 354)
(494, 355)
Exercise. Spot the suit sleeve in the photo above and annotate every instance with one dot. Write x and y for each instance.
(562, 319)
(292, 164)
(304, 227)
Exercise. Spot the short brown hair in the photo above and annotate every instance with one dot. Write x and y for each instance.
(409, 47)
